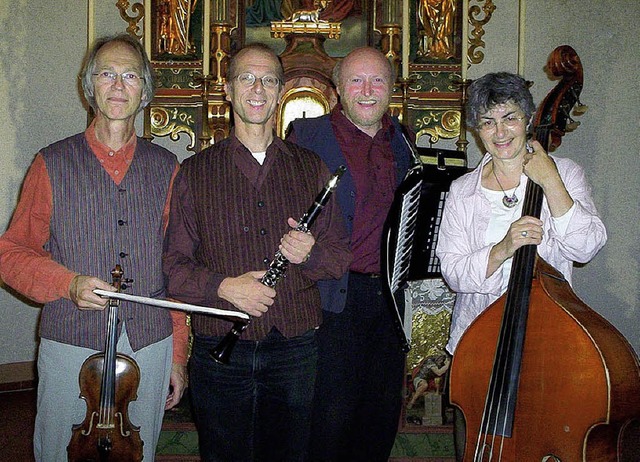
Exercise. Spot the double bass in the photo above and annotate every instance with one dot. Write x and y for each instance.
(539, 376)
(108, 382)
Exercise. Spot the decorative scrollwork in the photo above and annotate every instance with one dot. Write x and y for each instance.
(439, 125)
(172, 122)
(138, 10)
(473, 53)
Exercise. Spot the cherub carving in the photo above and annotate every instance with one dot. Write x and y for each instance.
(310, 15)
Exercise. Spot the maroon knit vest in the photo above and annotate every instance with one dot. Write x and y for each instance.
(240, 228)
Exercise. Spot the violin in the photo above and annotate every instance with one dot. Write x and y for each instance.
(108, 382)
(539, 376)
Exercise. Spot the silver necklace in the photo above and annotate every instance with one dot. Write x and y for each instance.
(509, 202)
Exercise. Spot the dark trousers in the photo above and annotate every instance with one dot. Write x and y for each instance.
(257, 407)
(359, 384)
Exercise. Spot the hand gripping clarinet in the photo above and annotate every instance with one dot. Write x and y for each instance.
(278, 266)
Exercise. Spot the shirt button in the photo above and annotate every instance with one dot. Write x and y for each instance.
(117, 172)
(349, 217)
(111, 153)
(260, 203)
(266, 261)
(245, 229)
(263, 231)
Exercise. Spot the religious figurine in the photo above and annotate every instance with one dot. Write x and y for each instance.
(428, 383)
(437, 19)
(174, 20)
(310, 15)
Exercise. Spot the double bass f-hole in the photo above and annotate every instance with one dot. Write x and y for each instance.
(108, 382)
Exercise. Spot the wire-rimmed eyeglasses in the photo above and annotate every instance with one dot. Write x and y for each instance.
(510, 121)
(130, 78)
(247, 79)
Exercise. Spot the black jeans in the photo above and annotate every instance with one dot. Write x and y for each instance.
(359, 383)
(257, 407)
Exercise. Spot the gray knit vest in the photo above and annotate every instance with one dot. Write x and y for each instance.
(96, 224)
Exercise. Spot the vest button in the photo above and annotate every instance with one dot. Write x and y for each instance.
(260, 203)
(263, 231)
(122, 254)
(122, 222)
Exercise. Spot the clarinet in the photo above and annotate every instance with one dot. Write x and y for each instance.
(278, 266)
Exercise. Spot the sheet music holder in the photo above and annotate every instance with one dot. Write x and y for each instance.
(410, 234)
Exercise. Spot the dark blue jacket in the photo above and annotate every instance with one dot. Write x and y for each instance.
(316, 134)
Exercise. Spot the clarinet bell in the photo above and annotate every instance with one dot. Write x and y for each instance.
(222, 351)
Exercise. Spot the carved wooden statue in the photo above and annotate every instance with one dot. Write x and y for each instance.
(174, 20)
(437, 19)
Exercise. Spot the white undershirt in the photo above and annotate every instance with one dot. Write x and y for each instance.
(502, 217)
(259, 156)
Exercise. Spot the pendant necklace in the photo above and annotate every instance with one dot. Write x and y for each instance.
(509, 202)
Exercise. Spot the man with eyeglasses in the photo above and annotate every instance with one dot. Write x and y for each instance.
(89, 202)
(234, 205)
(361, 363)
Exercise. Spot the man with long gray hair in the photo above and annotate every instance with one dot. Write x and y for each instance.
(89, 202)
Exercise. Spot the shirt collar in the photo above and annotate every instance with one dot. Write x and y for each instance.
(102, 151)
(276, 146)
(342, 123)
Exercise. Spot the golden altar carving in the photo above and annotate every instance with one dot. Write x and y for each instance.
(428, 96)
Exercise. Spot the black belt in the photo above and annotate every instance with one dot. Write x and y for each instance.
(366, 275)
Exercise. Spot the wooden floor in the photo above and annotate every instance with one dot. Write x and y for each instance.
(17, 415)
(18, 411)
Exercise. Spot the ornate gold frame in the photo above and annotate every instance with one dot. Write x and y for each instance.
(192, 104)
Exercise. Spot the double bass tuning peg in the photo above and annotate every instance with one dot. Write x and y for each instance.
(580, 109)
(572, 125)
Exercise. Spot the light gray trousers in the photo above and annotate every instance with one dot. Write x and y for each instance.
(60, 407)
